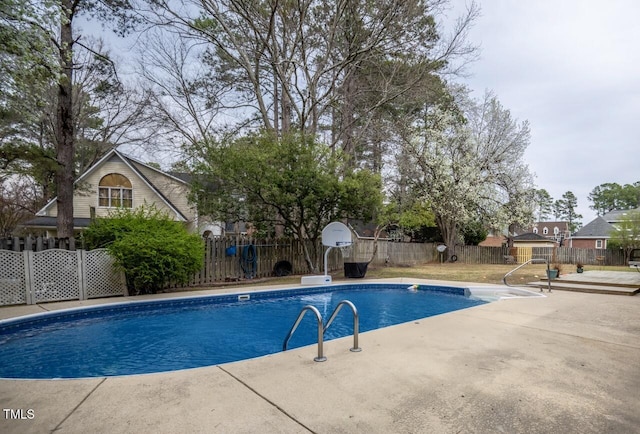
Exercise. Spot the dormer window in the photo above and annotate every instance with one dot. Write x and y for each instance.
(535, 230)
(556, 231)
(114, 191)
(545, 230)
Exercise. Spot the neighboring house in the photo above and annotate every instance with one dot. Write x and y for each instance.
(367, 231)
(119, 181)
(523, 245)
(494, 239)
(554, 231)
(615, 217)
(596, 234)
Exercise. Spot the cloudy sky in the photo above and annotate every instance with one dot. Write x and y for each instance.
(572, 69)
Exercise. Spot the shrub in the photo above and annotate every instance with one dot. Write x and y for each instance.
(152, 249)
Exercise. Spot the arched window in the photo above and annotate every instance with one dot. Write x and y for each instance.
(545, 230)
(535, 230)
(556, 231)
(114, 190)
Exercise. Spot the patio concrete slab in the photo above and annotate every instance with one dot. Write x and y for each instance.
(601, 276)
(595, 281)
(194, 401)
(50, 403)
(461, 373)
(565, 363)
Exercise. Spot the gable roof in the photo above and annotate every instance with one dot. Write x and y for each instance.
(131, 164)
(617, 215)
(597, 228)
(563, 226)
(366, 230)
(45, 222)
(530, 236)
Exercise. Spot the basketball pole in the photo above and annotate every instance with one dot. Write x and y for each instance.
(326, 261)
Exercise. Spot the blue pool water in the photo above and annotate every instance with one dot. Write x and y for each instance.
(165, 335)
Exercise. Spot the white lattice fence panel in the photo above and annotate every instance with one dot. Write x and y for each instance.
(55, 275)
(102, 279)
(13, 288)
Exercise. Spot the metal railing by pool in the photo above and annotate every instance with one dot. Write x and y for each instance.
(530, 261)
(323, 329)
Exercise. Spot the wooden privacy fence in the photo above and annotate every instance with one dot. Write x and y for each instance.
(567, 255)
(38, 244)
(480, 254)
(235, 258)
(231, 259)
(390, 252)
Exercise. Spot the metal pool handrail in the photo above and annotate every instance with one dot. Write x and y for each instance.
(530, 261)
(304, 310)
(322, 329)
(356, 321)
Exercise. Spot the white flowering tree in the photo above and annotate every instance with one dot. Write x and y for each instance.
(626, 234)
(466, 161)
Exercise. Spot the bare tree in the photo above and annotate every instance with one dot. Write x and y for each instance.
(107, 112)
(298, 64)
(190, 103)
(19, 200)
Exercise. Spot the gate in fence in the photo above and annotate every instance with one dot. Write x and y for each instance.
(55, 275)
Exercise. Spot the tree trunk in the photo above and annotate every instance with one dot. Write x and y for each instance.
(376, 235)
(312, 265)
(449, 232)
(347, 123)
(313, 268)
(64, 126)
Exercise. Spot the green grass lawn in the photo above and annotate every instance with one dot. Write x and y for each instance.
(477, 273)
(480, 273)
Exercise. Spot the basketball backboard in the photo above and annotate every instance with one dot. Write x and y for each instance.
(336, 234)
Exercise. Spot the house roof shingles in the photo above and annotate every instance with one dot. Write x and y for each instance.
(597, 228)
(530, 236)
(51, 222)
(618, 215)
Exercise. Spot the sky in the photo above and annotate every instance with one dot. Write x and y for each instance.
(572, 69)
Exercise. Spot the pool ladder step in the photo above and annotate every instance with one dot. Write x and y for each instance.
(322, 329)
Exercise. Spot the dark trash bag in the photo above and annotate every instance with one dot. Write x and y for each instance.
(282, 268)
(355, 269)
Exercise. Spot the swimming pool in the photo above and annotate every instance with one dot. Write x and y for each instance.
(163, 335)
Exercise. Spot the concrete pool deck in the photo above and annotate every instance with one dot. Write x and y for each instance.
(569, 362)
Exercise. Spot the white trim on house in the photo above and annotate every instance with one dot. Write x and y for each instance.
(127, 161)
